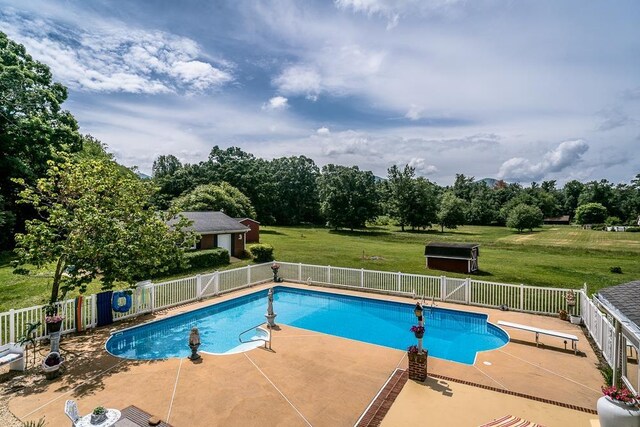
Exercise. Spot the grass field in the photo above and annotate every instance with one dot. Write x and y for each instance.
(17, 291)
(559, 256)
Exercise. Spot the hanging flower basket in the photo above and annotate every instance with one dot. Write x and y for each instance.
(418, 331)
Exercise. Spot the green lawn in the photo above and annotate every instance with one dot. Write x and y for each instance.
(17, 291)
(559, 256)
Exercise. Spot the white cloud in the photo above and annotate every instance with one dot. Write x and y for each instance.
(348, 143)
(115, 58)
(393, 9)
(421, 167)
(520, 169)
(200, 75)
(299, 80)
(339, 70)
(276, 103)
(323, 131)
(414, 113)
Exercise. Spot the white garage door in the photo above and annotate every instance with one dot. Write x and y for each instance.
(224, 241)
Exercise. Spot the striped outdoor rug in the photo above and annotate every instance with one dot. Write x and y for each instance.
(510, 421)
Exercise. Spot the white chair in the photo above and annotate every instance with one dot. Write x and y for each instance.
(71, 409)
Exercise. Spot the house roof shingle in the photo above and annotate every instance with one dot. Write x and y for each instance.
(625, 298)
(211, 222)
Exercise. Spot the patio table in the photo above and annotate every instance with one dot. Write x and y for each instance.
(113, 415)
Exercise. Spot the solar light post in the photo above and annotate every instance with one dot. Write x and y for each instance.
(418, 312)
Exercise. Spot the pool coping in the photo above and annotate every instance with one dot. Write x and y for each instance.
(314, 289)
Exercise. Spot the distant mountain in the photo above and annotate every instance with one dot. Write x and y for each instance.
(379, 179)
(142, 175)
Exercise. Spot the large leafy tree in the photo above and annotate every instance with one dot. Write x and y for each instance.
(452, 211)
(591, 213)
(296, 190)
(424, 204)
(482, 210)
(348, 196)
(252, 176)
(166, 165)
(217, 197)
(524, 216)
(94, 222)
(33, 126)
(401, 193)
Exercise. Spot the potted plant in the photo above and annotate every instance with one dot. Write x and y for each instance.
(98, 415)
(618, 407)
(274, 268)
(52, 319)
(418, 331)
(51, 364)
(570, 297)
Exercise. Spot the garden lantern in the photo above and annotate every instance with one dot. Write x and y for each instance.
(418, 311)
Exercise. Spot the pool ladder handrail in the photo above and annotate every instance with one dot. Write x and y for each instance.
(267, 343)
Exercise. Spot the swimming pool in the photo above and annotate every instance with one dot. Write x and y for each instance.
(450, 334)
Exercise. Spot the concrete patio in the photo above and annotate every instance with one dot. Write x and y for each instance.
(315, 379)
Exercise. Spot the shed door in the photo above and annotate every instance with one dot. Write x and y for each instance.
(224, 241)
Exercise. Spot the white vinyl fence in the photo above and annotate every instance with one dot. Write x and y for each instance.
(599, 327)
(532, 299)
(148, 297)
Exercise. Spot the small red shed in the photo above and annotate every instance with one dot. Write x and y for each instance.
(455, 257)
(253, 235)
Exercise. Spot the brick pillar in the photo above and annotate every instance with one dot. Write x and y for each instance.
(418, 366)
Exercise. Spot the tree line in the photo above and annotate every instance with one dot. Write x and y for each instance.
(294, 190)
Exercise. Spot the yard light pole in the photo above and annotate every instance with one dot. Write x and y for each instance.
(418, 312)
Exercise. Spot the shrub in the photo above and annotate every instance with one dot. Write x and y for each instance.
(633, 230)
(207, 258)
(380, 221)
(591, 213)
(261, 252)
(612, 220)
(616, 270)
(524, 216)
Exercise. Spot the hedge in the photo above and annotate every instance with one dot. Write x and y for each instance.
(207, 258)
(261, 252)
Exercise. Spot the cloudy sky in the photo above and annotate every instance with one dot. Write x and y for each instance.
(520, 90)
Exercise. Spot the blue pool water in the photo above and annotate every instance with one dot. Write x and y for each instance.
(450, 334)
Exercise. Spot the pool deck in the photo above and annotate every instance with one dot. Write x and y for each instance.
(321, 380)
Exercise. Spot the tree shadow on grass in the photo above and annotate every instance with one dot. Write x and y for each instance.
(435, 232)
(481, 273)
(6, 257)
(359, 233)
(272, 232)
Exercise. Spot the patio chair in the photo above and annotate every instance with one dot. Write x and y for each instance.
(71, 409)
